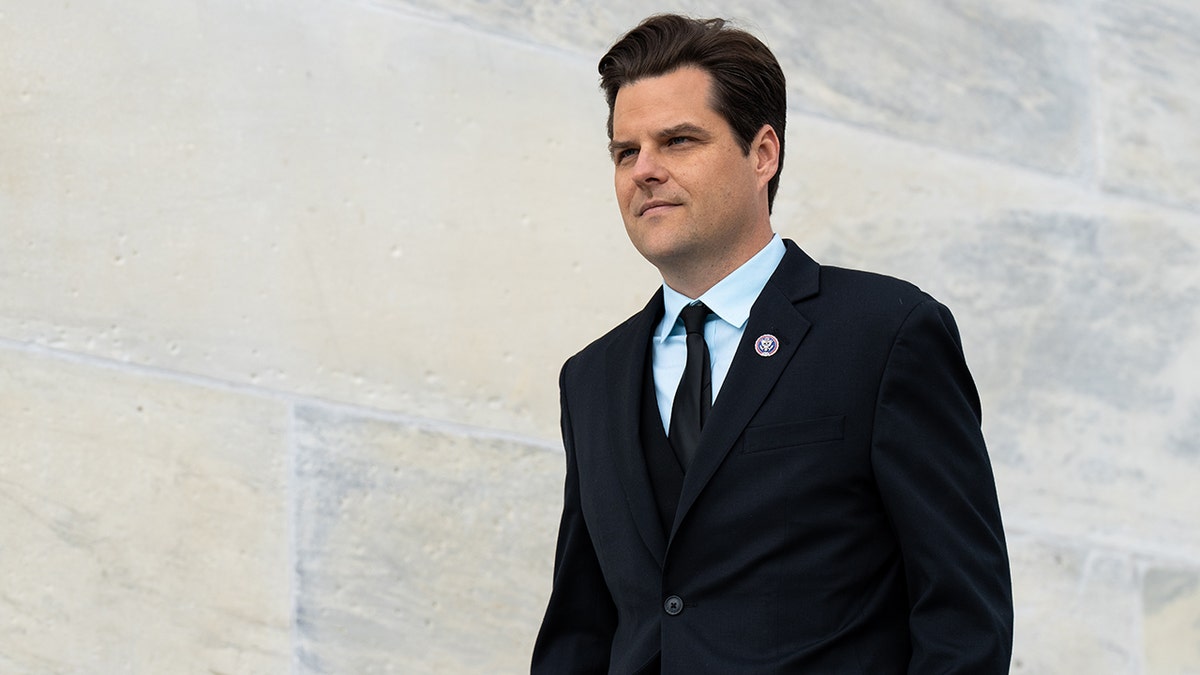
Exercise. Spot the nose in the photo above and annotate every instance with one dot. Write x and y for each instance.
(648, 169)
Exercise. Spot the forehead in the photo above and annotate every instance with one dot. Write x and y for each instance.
(680, 96)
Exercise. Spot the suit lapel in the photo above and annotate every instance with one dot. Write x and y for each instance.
(626, 360)
(752, 377)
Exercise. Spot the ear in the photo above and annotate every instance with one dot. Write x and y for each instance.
(765, 150)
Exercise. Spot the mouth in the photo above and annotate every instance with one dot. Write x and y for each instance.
(654, 207)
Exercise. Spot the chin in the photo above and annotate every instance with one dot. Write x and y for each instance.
(660, 241)
(663, 253)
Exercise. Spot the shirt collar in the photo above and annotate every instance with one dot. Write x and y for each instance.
(732, 297)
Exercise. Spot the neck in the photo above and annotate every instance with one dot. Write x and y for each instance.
(695, 276)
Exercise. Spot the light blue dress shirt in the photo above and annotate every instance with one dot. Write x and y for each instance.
(730, 300)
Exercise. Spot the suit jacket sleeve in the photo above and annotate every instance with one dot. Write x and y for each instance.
(934, 476)
(577, 630)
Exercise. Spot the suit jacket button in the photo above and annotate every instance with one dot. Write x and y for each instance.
(673, 605)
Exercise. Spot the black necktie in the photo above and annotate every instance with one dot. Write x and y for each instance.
(693, 399)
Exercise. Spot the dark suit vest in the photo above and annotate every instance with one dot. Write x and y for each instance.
(666, 474)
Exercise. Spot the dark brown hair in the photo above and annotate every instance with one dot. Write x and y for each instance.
(748, 85)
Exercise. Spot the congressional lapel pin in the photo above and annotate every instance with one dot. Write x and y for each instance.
(766, 345)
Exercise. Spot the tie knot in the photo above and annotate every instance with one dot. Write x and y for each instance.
(694, 317)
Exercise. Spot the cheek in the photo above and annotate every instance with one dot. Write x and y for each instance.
(623, 189)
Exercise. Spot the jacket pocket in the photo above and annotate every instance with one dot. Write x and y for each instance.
(794, 434)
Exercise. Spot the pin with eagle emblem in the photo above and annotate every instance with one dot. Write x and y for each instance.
(766, 345)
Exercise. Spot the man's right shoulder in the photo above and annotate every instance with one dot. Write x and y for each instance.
(601, 344)
(592, 358)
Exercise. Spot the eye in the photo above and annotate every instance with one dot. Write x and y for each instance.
(676, 140)
(621, 155)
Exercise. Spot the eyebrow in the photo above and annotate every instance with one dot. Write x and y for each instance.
(683, 129)
(614, 146)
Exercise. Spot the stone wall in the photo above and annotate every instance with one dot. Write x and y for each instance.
(285, 286)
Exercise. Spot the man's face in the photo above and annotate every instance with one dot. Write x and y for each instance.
(688, 195)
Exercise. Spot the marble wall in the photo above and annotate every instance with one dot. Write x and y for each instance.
(285, 287)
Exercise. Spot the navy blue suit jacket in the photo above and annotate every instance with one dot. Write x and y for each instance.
(840, 515)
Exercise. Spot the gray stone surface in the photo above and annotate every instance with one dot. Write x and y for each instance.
(1005, 80)
(1146, 55)
(419, 551)
(309, 197)
(1092, 320)
(143, 530)
(1171, 597)
(1076, 609)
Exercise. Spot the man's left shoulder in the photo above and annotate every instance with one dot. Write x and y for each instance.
(869, 292)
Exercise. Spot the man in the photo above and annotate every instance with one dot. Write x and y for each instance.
(795, 480)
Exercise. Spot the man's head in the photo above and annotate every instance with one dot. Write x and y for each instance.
(748, 89)
(695, 144)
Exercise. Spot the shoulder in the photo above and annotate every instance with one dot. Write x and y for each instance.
(866, 304)
(869, 290)
(626, 340)
(600, 345)
(889, 308)
(841, 291)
